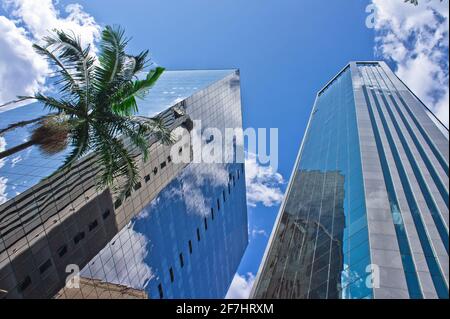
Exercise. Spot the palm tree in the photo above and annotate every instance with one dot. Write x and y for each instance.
(94, 111)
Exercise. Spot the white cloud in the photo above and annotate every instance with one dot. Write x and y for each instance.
(193, 180)
(241, 286)
(263, 183)
(442, 108)
(258, 232)
(16, 160)
(416, 39)
(136, 274)
(40, 17)
(22, 71)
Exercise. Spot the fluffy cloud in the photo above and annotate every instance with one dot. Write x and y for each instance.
(241, 286)
(22, 71)
(416, 39)
(192, 182)
(263, 183)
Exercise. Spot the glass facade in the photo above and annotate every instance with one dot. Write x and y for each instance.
(152, 253)
(179, 234)
(366, 212)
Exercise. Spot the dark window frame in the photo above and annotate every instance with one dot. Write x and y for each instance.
(45, 266)
(93, 225)
(106, 214)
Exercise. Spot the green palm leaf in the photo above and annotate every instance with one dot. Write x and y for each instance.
(123, 102)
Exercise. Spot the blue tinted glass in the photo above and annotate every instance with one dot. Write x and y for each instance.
(323, 228)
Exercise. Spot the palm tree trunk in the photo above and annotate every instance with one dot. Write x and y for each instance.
(17, 149)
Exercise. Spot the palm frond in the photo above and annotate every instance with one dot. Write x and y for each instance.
(158, 128)
(68, 85)
(76, 59)
(136, 132)
(58, 105)
(111, 60)
(134, 65)
(116, 162)
(18, 124)
(18, 100)
(79, 142)
(141, 61)
(124, 101)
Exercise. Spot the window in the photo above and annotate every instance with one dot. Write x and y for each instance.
(93, 225)
(198, 234)
(190, 247)
(106, 214)
(160, 290)
(223, 195)
(218, 205)
(147, 178)
(177, 112)
(117, 203)
(206, 224)
(78, 237)
(229, 188)
(137, 186)
(181, 260)
(169, 159)
(45, 266)
(163, 164)
(172, 277)
(238, 174)
(25, 283)
(212, 213)
(62, 250)
(155, 170)
(210, 139)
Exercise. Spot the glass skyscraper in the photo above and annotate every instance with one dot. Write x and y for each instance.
(180, 233)
(366, 212)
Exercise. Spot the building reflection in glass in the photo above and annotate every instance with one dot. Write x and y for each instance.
(156, 253)
(312, 227)
(53, 224)
(322, 235)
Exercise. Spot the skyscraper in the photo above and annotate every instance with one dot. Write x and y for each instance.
(179, 234)
(366, 212)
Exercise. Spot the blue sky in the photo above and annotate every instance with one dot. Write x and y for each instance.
(286, 51)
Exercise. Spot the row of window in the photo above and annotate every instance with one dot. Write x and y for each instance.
(146, 178)
(231, 180)
(62, 250)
